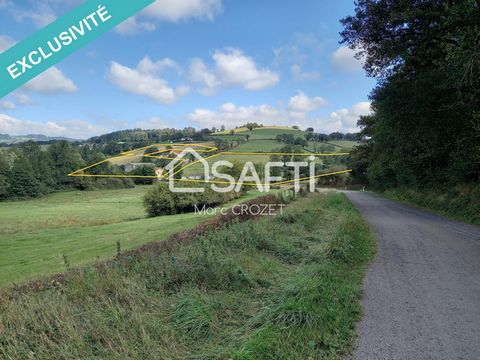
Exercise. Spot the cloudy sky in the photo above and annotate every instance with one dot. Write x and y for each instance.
(200, 63)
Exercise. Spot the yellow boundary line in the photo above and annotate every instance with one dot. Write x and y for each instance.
(206, 149)
(305, 179)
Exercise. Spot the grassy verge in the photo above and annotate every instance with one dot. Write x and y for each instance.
(35, 235)
(281, 287)
(461, 202)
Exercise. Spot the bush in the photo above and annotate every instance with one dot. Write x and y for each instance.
(161, 201)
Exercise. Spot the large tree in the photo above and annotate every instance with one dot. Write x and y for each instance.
(65, 159)
(22, 180)
(425, 128)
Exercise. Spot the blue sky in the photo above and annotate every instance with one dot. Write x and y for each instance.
(200, 63)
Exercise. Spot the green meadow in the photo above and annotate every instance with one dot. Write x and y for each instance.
(37, 236)
(279, 287)
(262, 140)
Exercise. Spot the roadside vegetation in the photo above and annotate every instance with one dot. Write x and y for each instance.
(460, 202)
(279, 287)
(38, 235)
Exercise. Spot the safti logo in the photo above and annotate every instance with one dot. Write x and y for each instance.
(222, 175)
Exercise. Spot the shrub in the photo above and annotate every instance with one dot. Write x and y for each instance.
(161, 201)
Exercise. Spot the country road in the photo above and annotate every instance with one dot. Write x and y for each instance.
(422, 293)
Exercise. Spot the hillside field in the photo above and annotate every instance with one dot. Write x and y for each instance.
(263, 140)
(83, 226)
(279, 287)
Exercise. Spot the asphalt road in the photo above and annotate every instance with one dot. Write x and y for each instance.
(422, 293)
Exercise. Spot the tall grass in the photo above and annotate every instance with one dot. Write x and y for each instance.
(283, 287)
(461, 202)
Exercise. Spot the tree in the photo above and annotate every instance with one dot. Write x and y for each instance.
(301, 142)
(425, 127)
(286, 138)
(146, 175)
(336, 136)
(4, 174)
(96, 157)
(22, 181)
(40, 162)
(205, 131)
(64, 160)
(309, 136)
(251, 126)
(310, 130)
(148, 151)
(159, 200)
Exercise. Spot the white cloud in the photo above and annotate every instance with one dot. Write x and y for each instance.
(5, 43)
(177, 10)
(199, 73)
(147, 66)
(232, 115)
(349, 117)
(171, 11)
(52, 81)
(231, 68)
(23, 99)
(343, 59)
(75, 129)
(39, 13)
(300, 75)
(152, 123)
(134, 25)
(303, 103)
(40, 17)
(145, 80)
(235, 68)
(7, 105)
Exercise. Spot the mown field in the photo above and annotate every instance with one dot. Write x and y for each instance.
(84, 226)
(262, 140)
(281, 287)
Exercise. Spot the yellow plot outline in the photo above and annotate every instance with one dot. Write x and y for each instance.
(199, 148)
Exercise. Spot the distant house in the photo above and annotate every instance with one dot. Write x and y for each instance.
(132, 166)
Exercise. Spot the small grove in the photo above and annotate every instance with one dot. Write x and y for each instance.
(279, 287)
(159, 200)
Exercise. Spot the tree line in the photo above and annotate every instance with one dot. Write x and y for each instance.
(310, 135)
(30, 170)
(424, 131)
